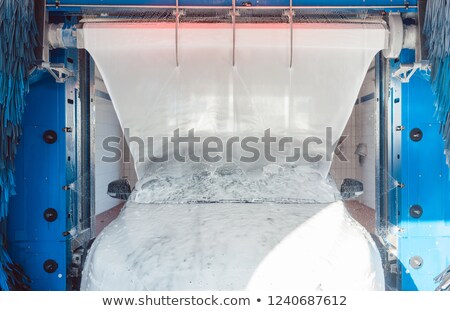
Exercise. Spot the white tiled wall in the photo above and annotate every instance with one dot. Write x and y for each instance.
(106, 124)
(343, 169)
(360, 129)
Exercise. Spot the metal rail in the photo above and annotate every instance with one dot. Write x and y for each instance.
(233, 21)
(177, 24)
(291, 25)
(301, 7)
(233, 12)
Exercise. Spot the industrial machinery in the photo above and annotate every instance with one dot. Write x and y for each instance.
(50, 222)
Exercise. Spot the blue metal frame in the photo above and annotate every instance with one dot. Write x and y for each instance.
(425, 175)
(386, 5)
(239, 2)
(40, 176)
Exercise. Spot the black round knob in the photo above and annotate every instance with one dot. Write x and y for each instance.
(416, 211)
(50, 214)
(50, 136)
(416, 134)
(50, 266)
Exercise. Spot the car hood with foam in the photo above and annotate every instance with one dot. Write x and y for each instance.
(240, 246)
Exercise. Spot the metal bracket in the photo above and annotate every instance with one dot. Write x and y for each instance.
(406, 71)
(399, 185)
(290, 15)
(444, 280)
(180, 13)
(58, 71)
(177, 12)
(233, 21)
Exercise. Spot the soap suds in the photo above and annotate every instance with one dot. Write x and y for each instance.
(233, 246)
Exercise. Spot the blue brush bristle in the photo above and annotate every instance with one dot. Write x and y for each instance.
(18, 33)
(5, 260)
(437, 31)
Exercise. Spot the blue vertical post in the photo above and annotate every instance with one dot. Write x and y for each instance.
(38, 215)
(424, 215)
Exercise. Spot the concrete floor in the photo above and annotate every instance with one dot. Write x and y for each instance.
(105, 218)
(363, 214)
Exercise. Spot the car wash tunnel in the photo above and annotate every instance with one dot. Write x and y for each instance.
(225, 145)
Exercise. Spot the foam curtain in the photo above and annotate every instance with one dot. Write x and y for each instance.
(437, 30)
(207, 93)
(18, 33)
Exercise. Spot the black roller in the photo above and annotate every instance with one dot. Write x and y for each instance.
(416, 211)
(50, 137)
(50, 266)
(50, 214)
(416, 134)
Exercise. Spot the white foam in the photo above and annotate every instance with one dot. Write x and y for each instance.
(233, 247)
(176, 182)
(230, 246)
(153, 96)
